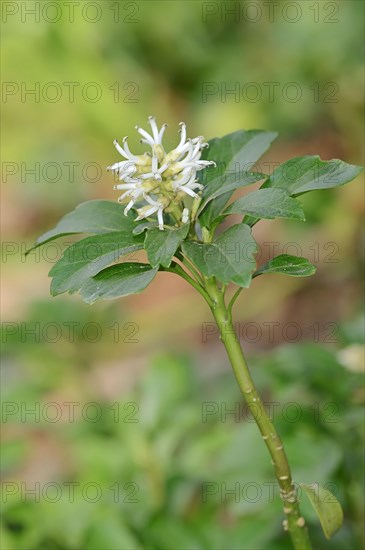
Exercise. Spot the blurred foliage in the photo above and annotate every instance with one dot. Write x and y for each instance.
(169, 60)
(140, 466)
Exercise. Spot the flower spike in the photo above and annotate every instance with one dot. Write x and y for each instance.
(157, 180)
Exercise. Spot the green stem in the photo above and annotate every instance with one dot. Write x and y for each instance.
(176, 268)
(234, 298)
(294, 522)
(193, 269)
(190, 266)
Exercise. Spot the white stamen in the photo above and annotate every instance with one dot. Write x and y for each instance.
(185, 215)
(160, 218)
(162, 131)
(127, 150)
(183, 134)
(154, 128)
(147, 213)
(121, 186)
(188, 191)
(154, 164)
(128, 207)
(124, 195)
(120, 149)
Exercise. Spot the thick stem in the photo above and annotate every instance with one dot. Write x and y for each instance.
(294, 522)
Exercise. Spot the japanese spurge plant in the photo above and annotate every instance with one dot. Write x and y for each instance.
(184, 197)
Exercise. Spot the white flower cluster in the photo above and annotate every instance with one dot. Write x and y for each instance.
(158, 181)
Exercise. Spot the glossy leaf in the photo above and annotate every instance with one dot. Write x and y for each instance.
(288, 265)
(303, 174)
(230, 257)
(118, 280)
(162, 245)
(326, 506)
(96, 217)
(88, 257)
(268, 204)
(234, 155)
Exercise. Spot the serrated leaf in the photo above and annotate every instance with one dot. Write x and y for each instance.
(162, 245)
(88, 257)
(230, 257)
(326, 506)
(97, 216)
(288, 265)
(268, 204)
(303, 174)
(118, 280)
(234, 155)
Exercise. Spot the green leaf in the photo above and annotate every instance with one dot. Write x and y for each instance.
(96, 216)
(162, 245)
(88, 257)
(268, 204)
(288, 265)
(230, 257)
(326, 506)
(234, 155)
(110, 533)
(142, 227)
(212, 213)
(303, 174)
(118, 280)
(227, 183)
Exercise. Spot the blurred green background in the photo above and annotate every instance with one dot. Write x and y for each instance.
(118, 452)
